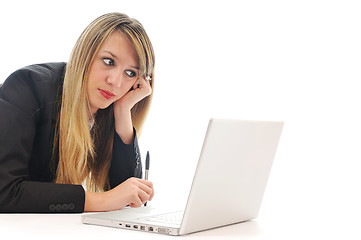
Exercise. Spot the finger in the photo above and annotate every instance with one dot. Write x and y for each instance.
(139, 199)
(144, 196)
(148, 187)
(143, 185)
(146, 182)
(148, 80)
(151, 195)
(137, 202)
(144, 82)
(140, 83)
(136, 83)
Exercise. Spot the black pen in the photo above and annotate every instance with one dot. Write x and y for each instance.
(146, 170)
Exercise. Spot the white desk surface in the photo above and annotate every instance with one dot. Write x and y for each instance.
(69, 226)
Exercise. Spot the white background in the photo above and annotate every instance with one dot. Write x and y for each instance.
(295, 61)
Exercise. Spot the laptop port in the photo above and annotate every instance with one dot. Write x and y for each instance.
(142, 228)
(127, 225)
(135, 226)
(150, 229)
(163, 230)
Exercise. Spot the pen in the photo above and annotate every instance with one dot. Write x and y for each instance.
(146, 170)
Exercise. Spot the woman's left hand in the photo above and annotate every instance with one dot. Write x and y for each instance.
(141, 89)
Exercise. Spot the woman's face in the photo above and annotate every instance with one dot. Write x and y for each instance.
(113, 72)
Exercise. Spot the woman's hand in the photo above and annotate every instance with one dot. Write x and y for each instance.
(123, 122)
(133, 192)
(141, 89)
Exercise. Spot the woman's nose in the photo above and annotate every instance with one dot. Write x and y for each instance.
(115, 79)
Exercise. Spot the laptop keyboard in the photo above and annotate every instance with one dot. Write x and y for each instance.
(172, 218)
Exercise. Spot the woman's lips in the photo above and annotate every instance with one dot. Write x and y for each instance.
(107, 95)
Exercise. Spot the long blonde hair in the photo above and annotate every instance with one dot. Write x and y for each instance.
(84, 153)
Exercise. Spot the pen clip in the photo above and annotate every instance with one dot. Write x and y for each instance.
(147, 161)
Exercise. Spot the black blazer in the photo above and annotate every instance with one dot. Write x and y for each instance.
(28, 100)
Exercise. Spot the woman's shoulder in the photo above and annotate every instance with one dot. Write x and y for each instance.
(44, 72)
(33, 86)
(46, 68)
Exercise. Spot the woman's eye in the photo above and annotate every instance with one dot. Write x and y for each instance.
(130, 73)
(108, 61)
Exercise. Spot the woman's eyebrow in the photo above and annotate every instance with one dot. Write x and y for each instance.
(114, 56)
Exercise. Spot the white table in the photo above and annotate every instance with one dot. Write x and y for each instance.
(69, 226)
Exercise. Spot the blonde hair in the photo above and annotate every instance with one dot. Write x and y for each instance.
(85, 154)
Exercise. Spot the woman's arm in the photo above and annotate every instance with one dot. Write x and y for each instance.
(126, 160)
(17, 194)
(123, 124)
(124, 177)
(126, 163)
(122, 107)
(25, 183)
(133, 192)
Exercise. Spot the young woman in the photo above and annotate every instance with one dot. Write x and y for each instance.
(65, 126)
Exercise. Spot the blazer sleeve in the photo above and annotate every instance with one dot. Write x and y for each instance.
(126, 161)
(19, 106)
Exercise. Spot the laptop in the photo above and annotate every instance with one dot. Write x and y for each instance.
(228, 184)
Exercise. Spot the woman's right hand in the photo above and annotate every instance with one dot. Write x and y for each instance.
(133, 192)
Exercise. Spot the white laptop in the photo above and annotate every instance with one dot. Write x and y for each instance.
(227, 188)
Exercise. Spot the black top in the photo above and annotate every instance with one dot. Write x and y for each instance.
(28, 101)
